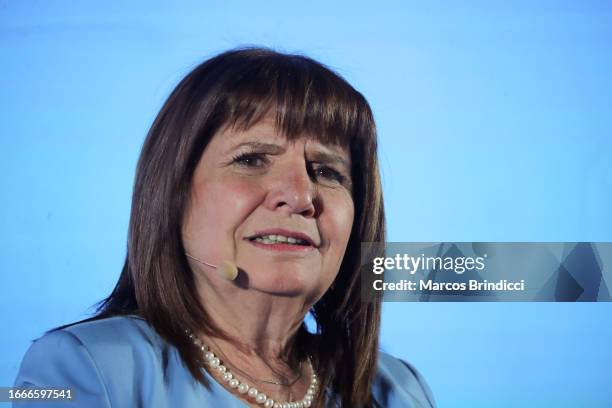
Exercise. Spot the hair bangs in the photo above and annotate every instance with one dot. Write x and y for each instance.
(305, 98)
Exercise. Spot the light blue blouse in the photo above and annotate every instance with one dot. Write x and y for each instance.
(123, 362)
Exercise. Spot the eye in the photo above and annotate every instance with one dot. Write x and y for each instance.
(328, 174)
(250, 160)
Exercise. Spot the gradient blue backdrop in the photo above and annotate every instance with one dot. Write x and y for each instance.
(495, 124)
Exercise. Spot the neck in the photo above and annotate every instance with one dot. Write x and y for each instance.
(260, 326)
(261, 330)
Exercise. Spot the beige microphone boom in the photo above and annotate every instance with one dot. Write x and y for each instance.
(226, 269)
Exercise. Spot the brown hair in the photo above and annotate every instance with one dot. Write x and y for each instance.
(238, 88)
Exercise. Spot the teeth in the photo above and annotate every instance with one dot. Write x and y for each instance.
(273, 239)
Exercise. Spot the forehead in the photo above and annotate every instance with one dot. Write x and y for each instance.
(266, 130)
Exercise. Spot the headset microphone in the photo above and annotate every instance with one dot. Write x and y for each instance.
(226, 269)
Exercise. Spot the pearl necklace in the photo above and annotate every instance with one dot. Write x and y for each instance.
(243, 388)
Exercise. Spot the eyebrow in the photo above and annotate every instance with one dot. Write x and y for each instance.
(264, 147)
(327, 158)
(271, 148)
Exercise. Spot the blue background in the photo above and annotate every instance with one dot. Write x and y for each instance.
(495, 124)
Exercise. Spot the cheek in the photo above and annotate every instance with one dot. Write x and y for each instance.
(240, 198)
(340, 215)
(217, 209)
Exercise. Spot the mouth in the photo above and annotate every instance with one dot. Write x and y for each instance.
(278, 239)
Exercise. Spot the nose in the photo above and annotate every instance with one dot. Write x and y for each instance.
(293, 191)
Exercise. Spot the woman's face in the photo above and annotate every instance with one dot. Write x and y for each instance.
(281, 211)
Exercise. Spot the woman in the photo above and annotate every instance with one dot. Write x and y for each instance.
(255, 187)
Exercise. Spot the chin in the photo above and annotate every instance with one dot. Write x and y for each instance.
(280, 283)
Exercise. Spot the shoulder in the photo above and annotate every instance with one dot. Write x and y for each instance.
(97, 359)
(116, 338)
(119, 343)
(399, 384)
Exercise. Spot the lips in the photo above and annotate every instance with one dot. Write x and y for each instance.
(282, 236)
